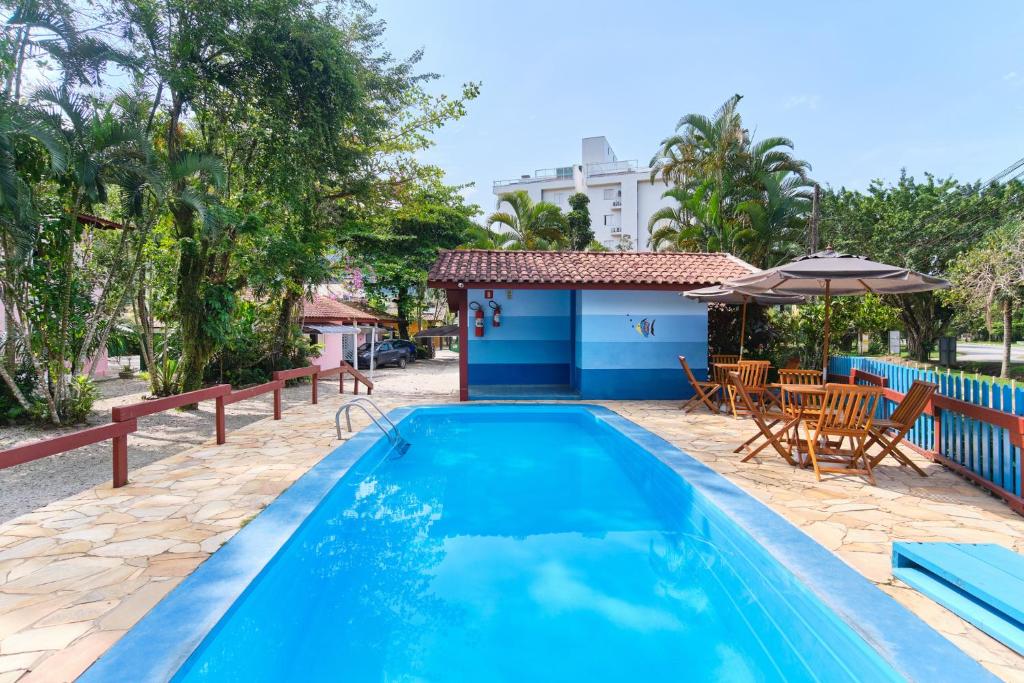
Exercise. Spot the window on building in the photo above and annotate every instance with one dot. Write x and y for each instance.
(563, 172)
(611, 193)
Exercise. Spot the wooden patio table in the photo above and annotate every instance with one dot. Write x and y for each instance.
(798, 390)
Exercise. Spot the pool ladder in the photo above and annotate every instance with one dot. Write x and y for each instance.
(393, 435)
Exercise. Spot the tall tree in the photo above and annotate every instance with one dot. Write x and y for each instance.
(921, 225)
(403, 243)
(578, 233)
(990, 276)
(303, 106)
(528, 224)
(731, 193)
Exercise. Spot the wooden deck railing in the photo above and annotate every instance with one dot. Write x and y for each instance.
(124, 419)
(972, 428)
(134, 411)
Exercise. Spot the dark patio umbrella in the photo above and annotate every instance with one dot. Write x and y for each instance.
(831, 273)
(721, 294)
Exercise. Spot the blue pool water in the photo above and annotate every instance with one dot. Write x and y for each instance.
(524, 544)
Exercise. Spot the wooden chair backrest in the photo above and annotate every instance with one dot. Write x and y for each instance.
(914, 403)
(717, 358)
(754, 373)
(746, 403)
(797, 376)
(688, 371)
(791, 403)
(848, 407)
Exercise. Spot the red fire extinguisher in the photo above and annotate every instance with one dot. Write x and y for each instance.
(478, 318)
(497, 312)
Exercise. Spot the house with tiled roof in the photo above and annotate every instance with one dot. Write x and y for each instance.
(340, 328)
(592, 325)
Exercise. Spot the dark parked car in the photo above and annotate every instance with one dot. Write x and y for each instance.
(387, 352)
(406, 344)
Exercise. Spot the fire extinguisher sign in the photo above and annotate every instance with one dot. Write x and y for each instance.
(488, 293)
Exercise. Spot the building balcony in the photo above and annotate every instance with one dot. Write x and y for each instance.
(539, 176)
(616, 205)
(612, 167)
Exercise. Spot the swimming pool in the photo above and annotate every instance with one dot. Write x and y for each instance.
(524, 543)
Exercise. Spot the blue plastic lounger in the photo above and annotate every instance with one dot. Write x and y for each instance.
(983, 583)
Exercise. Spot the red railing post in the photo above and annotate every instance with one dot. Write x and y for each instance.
(219, 420)
(316, 381)
(341, 382)
(120, 448)
(277, 404)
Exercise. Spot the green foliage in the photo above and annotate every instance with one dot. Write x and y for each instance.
(528, 225)
(797, 330)
(403, 243)
(82, 395)
(919, 225)
(578, 233)
(730, 193)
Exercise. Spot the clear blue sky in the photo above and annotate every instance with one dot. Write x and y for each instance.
(863, 89)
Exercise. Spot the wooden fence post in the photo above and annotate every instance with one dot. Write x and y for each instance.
(277, 404)
(120, 447)
(316, 381)
(219, 420)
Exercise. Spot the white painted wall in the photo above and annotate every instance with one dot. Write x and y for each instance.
(640, 198)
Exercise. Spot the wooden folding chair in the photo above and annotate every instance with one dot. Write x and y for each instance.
(724, 359)
(704, 392)
(754, 376)
(901, 421)
(847, 411)
(766, 419)
(807, 404)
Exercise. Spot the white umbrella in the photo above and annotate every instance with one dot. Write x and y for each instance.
(831, 273)
(721, 294)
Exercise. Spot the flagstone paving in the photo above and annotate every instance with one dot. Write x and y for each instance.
(76, 574)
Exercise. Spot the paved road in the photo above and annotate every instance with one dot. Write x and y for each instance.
(987, 353)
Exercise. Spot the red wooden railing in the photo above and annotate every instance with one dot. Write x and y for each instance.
(124, 419)
(133, 411)
(67, 442)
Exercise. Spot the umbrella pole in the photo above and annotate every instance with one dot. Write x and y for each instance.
(743, 328)
(828, 313)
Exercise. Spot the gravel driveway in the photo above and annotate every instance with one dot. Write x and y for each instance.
(24, 488)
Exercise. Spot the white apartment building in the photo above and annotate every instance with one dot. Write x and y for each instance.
(622, 196)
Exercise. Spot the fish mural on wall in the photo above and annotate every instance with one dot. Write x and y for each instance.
(644, 327)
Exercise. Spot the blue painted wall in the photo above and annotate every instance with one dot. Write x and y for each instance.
(534, 343)
(614, 359)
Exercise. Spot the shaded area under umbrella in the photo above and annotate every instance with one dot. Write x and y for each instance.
(831, 273)
(722, 294)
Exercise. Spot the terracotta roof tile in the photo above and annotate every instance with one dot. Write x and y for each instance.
(322, 309)
(642, 269)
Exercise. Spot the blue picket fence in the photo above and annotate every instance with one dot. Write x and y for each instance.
(983, 448)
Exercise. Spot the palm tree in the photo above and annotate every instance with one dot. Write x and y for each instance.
(775, 222)
(482, 237)
(731, 193)
(529, 225)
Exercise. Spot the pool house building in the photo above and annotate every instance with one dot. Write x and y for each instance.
(589, 325)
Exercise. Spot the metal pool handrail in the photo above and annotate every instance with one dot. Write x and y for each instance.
(358, 402)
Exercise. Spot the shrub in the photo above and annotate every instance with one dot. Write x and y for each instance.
(83, 394)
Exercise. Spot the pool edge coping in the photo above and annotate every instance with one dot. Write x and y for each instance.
(156, 647)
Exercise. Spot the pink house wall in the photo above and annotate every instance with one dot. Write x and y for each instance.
(330, 357)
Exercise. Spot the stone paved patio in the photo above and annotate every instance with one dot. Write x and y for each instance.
(76, 574)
